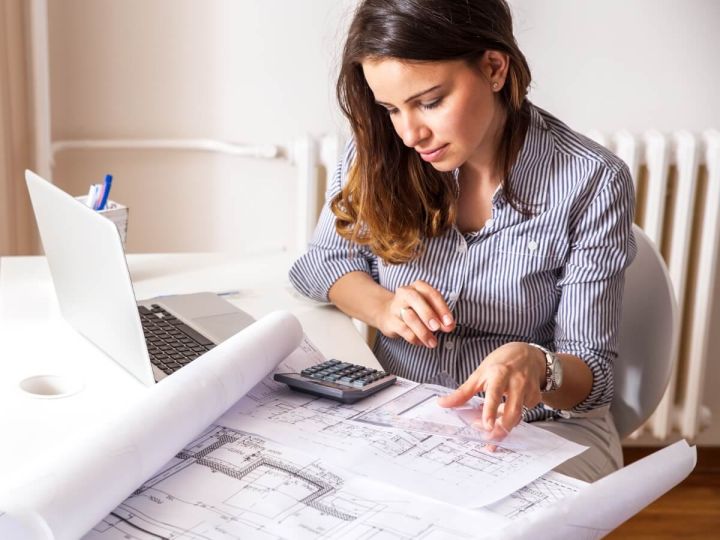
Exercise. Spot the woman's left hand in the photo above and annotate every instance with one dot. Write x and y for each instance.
(515, 371)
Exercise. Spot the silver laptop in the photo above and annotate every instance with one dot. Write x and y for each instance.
(151, 338)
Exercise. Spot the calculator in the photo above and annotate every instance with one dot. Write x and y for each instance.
(338, 380)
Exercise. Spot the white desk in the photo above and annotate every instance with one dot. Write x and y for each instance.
(35, 340)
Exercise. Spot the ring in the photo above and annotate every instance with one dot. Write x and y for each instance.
(402, 313)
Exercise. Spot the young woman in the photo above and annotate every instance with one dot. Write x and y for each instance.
(482, 237)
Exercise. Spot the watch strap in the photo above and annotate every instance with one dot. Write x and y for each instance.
(550, 359)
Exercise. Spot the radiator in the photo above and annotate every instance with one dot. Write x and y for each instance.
(677, 184)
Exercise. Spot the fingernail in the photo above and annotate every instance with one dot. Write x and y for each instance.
(447, 320)
(433, 324)
(432, 342)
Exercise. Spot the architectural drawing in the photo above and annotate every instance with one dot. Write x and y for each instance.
(417, 410)
(229, 484)
(542, 493)
(448, 469)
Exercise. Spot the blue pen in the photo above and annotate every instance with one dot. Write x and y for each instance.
(106, 191)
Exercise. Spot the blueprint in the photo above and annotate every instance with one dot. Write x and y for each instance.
(603, 505)
(417, 410)
(543, 493)
(94, 474)
(448, 469)
(229, 484)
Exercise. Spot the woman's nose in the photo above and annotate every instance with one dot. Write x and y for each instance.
(413, 131)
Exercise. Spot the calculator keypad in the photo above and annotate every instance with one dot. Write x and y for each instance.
(343, 373)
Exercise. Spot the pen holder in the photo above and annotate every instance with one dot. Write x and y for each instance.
(115, 212)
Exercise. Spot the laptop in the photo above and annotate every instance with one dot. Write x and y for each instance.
(151, 338)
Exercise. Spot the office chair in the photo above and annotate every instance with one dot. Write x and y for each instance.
(648, 330)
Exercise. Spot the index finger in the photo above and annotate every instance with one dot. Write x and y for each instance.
(493, 397)
(460, 395)
(437, 303)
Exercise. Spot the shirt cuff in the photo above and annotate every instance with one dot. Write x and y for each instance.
(315, 272)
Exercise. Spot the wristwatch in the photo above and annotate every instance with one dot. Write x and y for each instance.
(553, 369)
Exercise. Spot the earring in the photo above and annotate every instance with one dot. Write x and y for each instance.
(495, 85)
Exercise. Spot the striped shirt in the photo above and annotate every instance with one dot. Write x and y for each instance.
(555, 278)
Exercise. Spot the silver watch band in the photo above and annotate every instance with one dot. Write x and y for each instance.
(553, 373)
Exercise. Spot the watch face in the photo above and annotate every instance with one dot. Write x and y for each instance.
(557, 372)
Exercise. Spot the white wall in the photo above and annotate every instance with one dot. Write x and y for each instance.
(611, 64)
(257, 71)
(243, 71)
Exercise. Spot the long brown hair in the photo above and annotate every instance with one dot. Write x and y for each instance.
(393, 199)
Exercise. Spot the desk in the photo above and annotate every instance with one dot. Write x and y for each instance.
(36, 340)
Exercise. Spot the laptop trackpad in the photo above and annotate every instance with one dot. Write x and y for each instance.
(220, 327)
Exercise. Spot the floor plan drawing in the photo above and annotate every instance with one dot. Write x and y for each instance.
(229, 484)
(449, 468)
(542, 493)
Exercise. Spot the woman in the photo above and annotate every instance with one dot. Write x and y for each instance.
(482, 237)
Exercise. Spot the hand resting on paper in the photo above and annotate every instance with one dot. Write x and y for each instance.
(515, 371)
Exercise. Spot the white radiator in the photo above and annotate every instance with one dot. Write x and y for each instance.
(677, 183)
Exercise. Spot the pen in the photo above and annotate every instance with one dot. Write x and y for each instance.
(106, 191)
(90, 201)
(227, 293)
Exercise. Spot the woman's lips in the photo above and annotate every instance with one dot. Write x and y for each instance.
(434, 155)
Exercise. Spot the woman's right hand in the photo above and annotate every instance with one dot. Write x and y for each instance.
(414, 313)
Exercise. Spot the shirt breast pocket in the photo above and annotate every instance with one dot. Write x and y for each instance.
(526, 271)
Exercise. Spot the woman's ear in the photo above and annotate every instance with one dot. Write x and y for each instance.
(494, 65)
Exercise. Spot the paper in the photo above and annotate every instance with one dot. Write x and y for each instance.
(89, 478)
(229, 484)
(538, 495)
(602, 506)
(23, 525)
(443, 468)
(417, 410)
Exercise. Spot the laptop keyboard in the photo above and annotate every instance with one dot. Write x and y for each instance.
(170, 342)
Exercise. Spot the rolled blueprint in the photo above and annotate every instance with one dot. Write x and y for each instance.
(604, 505)
(90, 478)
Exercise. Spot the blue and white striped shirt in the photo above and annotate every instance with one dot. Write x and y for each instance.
(555, 279)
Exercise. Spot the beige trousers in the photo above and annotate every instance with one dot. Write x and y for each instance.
(597, 431)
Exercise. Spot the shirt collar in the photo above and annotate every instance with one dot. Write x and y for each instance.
(531, 171)
(530, 174)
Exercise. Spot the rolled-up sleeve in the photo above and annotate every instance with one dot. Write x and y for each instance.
(329, 256)
(588, 315)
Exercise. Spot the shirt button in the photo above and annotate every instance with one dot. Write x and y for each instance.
(489, 223)
(462, 248)
(449, 345)
(453, 296)
(532, 245)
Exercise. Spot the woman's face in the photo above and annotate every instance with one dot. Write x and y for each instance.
(447, 111)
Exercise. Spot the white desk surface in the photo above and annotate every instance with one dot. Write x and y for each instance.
(35, 340)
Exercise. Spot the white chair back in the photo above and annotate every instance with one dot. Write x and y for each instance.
(648, 330)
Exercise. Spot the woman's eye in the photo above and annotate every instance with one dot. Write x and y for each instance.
(432, 104)
(391, 111)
